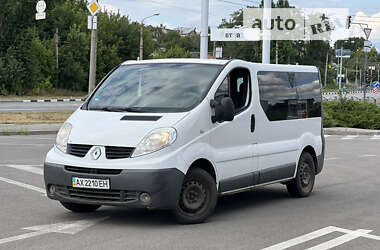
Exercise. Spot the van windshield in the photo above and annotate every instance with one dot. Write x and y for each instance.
(171, 87)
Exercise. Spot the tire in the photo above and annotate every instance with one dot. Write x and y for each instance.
(198, 197)
(303, 184)
(80, 208)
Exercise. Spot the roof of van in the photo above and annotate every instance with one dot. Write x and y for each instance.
(178, 60)
(259, 66)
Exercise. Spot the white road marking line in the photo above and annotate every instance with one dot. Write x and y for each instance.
(63, 228)
(349, 236)
(364, 156)
(27, 168)
(375, 137)
(301, 239)
(327, 136)
(332, 158)
(340, 240)
(20, 184)
(350, 137)
(22, 237)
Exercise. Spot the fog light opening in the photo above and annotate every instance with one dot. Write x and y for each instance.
(52, 190)
(145, 197)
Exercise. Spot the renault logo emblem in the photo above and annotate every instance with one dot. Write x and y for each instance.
(96, 153)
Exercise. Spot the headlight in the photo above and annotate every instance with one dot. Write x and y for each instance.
(155, 140)
(63, 137)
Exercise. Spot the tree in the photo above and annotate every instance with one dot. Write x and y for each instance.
(174, 52)
(75, 60)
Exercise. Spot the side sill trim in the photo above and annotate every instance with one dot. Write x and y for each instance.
(252, 187)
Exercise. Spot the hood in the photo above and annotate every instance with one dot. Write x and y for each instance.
(116, 128)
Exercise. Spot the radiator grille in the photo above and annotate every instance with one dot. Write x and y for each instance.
(97, 195)
(78, 149)
(112, 152)
(93, 170)
(118, 152)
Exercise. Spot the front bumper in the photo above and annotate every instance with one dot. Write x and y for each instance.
(163, 185)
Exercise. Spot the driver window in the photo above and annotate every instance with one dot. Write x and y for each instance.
(237, 86)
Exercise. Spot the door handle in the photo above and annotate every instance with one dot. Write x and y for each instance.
(253, 123)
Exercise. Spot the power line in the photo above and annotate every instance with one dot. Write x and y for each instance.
(253, 1)
(233, 3)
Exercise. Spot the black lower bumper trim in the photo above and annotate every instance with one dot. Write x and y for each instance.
(163, 185)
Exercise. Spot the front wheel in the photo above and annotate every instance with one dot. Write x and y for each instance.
(80, 208)
(198, 197)
(303, 184)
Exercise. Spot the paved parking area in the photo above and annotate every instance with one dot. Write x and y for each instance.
(342, 213)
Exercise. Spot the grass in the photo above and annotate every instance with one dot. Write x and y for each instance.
(19, 132)
(34, 118)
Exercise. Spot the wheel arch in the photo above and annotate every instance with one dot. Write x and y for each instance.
(309, 149)
(206, 165)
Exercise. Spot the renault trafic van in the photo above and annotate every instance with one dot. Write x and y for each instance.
(177, 133)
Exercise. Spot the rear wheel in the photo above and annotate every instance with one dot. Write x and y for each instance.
(198, 197)
(80, 208)
(303, 184)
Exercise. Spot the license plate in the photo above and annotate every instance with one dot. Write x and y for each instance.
(90, 183)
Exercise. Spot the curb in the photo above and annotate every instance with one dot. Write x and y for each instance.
(350, 132)
(47, 100)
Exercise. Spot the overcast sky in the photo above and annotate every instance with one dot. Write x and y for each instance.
(186, 13)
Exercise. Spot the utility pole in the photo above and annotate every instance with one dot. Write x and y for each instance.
(57, 55)
(267, 11)
(93, 52)
(326, 68)
(367, 32)
(340, 67)
(141, 57)
(141, 53)
(337, 69)
(356, 70)
(365, 80)
(56, 48)
(204, 29)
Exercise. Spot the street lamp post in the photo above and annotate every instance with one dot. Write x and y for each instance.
(142, 35)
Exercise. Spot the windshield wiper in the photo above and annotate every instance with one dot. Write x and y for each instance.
(118, 109)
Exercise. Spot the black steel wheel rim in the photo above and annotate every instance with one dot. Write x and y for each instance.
(305, 174)
(193, 197)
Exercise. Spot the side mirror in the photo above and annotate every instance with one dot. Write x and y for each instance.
(224, 110)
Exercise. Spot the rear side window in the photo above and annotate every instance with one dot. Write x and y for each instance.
(309, 94)
(289, 95)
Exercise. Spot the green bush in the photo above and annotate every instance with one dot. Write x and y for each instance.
(44, 87)
(351, 114)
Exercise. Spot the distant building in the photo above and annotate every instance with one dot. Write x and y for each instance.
(185, 32)
(157, 31)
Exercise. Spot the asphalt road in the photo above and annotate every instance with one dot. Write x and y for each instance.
(346, 198)
(38, 106)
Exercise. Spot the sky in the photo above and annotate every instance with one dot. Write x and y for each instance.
(186, 13)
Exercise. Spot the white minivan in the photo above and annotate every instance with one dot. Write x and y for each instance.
(177, 133)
